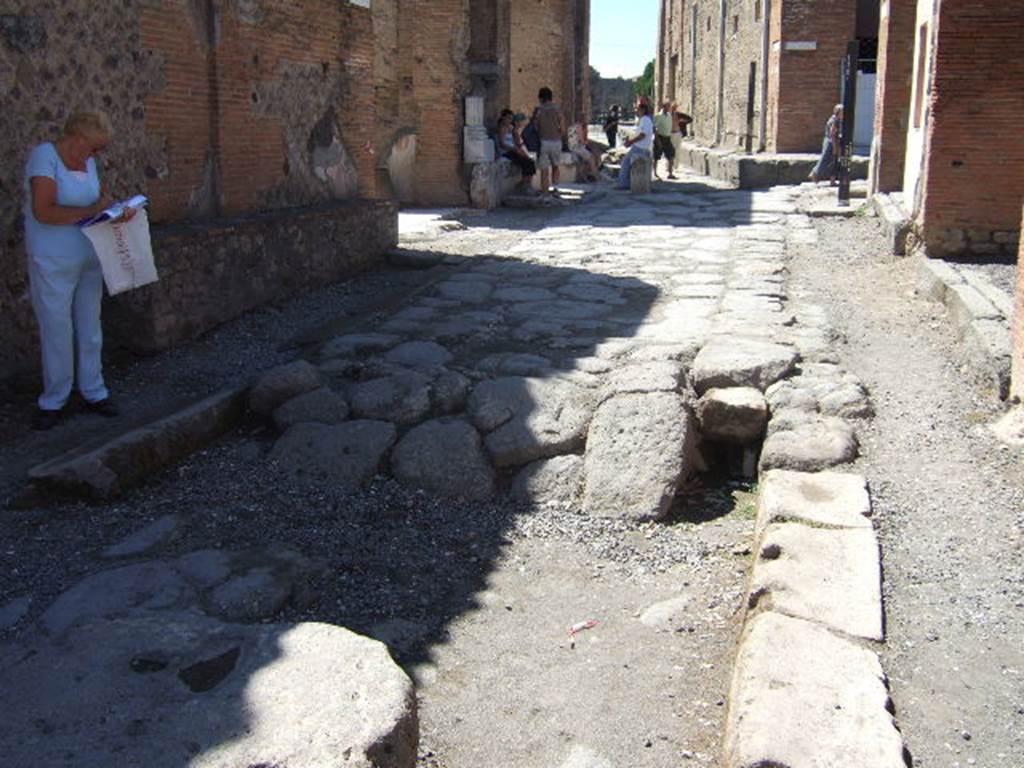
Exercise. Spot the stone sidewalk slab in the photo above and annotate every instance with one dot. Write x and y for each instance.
(831, 576)
(804, 698)
(832, 499)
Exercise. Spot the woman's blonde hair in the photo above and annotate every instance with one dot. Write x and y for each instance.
(88, 124)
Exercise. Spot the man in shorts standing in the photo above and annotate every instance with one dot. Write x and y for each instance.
(663, 125)
(551, 128)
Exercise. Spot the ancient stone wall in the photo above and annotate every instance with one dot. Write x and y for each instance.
(892, 100)
(211, 272)
(439, 37)
(218, 108)
(743, 35)
(973, 181)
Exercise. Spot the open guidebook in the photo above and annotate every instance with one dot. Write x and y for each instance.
(115, 210)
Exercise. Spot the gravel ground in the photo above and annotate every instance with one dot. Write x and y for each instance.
(949, 503)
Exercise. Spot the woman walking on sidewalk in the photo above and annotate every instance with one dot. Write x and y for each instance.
(829, 147)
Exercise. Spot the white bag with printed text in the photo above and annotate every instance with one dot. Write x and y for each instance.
(125, 252)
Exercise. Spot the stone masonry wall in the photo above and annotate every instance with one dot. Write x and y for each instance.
(1017, 376)
(742, 50)
(213, 271)
(692, 82)
(973, 182)
(892, 101)
(219, 108)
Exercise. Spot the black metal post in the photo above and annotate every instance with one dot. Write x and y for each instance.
(850, 65)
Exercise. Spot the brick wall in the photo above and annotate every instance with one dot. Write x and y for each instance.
(1017, 380)
(896, 37)
(808, 81)
(439, 37)
(218, 109)
(973, 182)
(266, 105)
(543, 53)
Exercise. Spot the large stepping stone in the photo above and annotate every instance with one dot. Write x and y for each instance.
(344, 455)
(323, 406)
(357, 344)
(446, 457)
(824, 388)
(803, 697)
(636, 455)
(530, 418)
(170, 690)
(740, 362)
(419, 353)
(808, 444)
(157, 533)
(733, 415)
(281, 384)
(828, 575)
(402, 398)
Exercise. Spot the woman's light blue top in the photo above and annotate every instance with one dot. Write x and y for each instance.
(77, 188)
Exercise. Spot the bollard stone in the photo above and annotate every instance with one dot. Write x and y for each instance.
(640, 175)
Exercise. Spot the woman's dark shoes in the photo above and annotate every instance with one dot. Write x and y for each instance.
(104, 407)
(44, 420)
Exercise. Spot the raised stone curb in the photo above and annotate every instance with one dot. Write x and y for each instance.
(832, 577)
(103, 472)
(894, 221)
(981, 315)
(832, 499)
(803, 697)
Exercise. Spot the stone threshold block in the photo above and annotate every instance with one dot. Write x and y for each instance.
(831, 576)
(825, 499)
(99, 472)
(802, 697)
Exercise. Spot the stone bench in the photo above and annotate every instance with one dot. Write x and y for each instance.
(490, 183)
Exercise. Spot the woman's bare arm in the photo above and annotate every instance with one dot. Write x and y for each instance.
(47, 211)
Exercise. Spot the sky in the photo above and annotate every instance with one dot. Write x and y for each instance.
(623, 36)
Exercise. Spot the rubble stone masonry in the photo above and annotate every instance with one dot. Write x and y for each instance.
(973, 176)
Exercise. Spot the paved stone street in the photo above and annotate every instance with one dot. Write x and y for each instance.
(531, 474)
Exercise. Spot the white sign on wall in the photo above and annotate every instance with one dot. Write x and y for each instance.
(801, 45)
